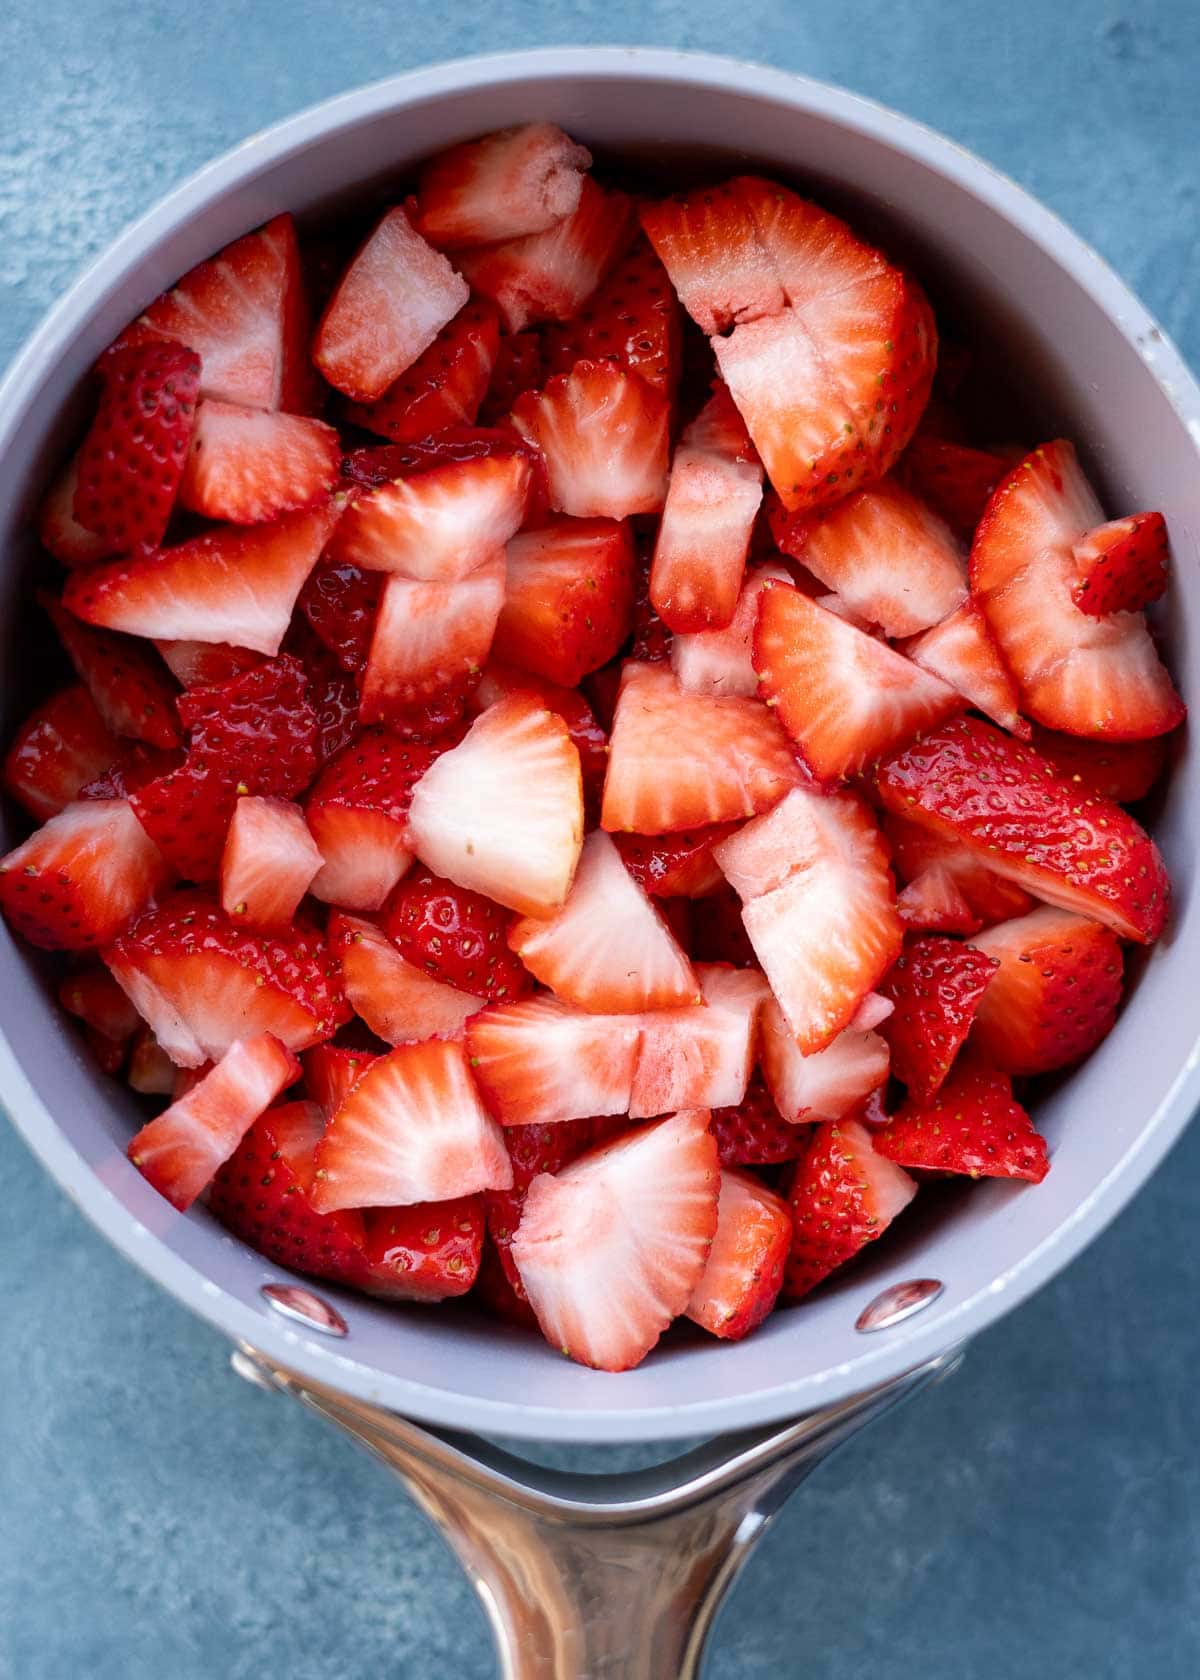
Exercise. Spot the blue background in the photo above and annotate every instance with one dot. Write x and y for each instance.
(1038, 1516)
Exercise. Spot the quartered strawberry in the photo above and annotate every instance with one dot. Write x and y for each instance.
(932, 902)
(76, 881)
(181, 1150)
(631, 320)
(390, 304)
(532, 1150)
(133, 693)
(568, 602)
(340, 603)
(603, 434)
(588, 738)
(1087, 676)
(844, 697)
(1055, 994)
(330, 1070)
(62, 746)
(699, 1057)
(540, 1061)
(201, 982)
(1025, 821)
(247, 465)
(962, 651)
(444, 386)
(611, 1249)
(753, 1135)
(60, 532)
(507, 184)
(357, 813)
(744, 1271)
(196, 664)
(456, 936)
(681, 761)
(429, 1251)
(937, 985)
(844, 1195)
(675, 865)
(502, 812)
(517, 368)
(1120, 770)
(971, 1126)
(988, 897)
(400, 1002)
(93, 995)
(721, 662)
(150, 1071)
(827, 1084)
(956, 482)
(411, 1129)
(718, 933)
(269, 862)
(132, 459)
(1122, 565)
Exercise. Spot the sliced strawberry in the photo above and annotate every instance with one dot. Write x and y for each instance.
(76, 881)
(389, 306)
(329, 1072)
(844, 1195)
(132, 692)
(988, 897)
(611, 1249)
(457, 936)
(1122, 565)
(429, 1251)
(721, 662)
(700, 1056)
(631, 320)
(247, 465)
(744, 1271)
(532, 1150)
(888, 556)
(932, 902)
(132, 459)
(718, 934)
(61, 746)
(269, 861)
(196, 664)
(151, 1071)
(517, 368)
(135, 766)
(844, 697)
(707, 241)
(603, 434)
(1087, 676)
(956, 482)
(971, 1126)
(411, 1129)
(444, 386)
(401, 1003)
(539, 1062)
(181, 1150)
(753, 1134)
(549, 276)
(681, 760)
(828, 1084)
(510, 183)
(1120, 770)
(675, 865)
(586, 734)
(1011, 808)
(357, 814)
(502, 813)
(332, 692)
(1055, 994)
(93, 995)
(568, 604)
(202, 983)
(58, 529)
(820, 907)
(340, 603)
(937, 985)
(962, 651)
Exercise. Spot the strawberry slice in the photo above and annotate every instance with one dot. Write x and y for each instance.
(202, 983)
(58, 529)
(586, 734)
(607, 949)
(340, 602)
(1055, 994)
(962, 651)
(151, 1071)
(1122, 565)
(458, 937)
(441, 524)
(93, 995)
(411, 1129)
(517, 369)
(390, 304)
(540, 1062)
(632, 320)
(399, 1002)
(932, 902)
(132, 459)
(721, 662)
(1087, 676)
(502, 813)
(429, 1251)
(828, 1084)
(988, 897)
(744, 1271)
(1120, 770)
(956, 482)
(700, 1056)
(248, 465)
(357, 814)
(181, 1150)
(568, 605)
(510, 183)
(603, 434)
(681, 760)
(132, 693)
(844, 1195)
(709, 245)
(196, 664)
(971, 1126)
(890, 558)
(532, 1150)
(76, 881)
(845, 698)
(329, 1072)
(753, 1134)
(549, 276)
(820, 907)
(1010, 807)
(611, 1249)
(937, 986)
(269, 862)
(675, 865)
(62, 746)
(444, 386)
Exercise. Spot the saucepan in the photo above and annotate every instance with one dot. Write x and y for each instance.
(584, 1576)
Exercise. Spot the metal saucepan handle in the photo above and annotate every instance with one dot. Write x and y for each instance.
(598, 1577)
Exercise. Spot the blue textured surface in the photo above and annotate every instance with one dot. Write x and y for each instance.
(1037, 1517)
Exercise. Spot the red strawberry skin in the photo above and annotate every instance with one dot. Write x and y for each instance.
(754, 1135)
(427, 1251)
(632, 320)
(517, 368)
(957, 482)
(444, 386)
(340, 602)
(936, 985)
(1123, 565)
(675, 865)
(971, 1126)
(75, 882)
(569, 601)
(457, 936)
(127, 680)
(836, 1210)
(58, 750)
(1120, 770)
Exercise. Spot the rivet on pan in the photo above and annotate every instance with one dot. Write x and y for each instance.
(307, 1308)
(898, 1302)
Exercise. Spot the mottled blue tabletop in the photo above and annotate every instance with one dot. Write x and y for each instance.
(1036, 1518)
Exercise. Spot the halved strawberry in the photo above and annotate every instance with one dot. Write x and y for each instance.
(509, 183)
(700, 1055)
(196, 664)
(457, 936)
(932, 902)
(202, 983)
(681, 760)
(1087, 676)
(58, 529)
(62, 746)
(539, 1061)
(603, 434)
(1055, 994)
(1120, 770)
(357, 813)
(971, 1126)
(132, 692)
(132, 459)
(721, 662)
(76, 881)
(586, 734)
(444, 386)
(744, 1271)
(410, 1129)
(340, 603)
(568, 603)
(611, 1248)
(820, 907)
(269, 861)
(753, 1134)
(151, 1071)
(675, 865)
(632, 320)
(93, 995)
(502, 813)
(329, 1072)
(956, 482)
(398, 1001)
(517, 368)
(1122, 565)
(937, 986)
(987, 896)
(844, 697)
(962, 651)
(181, 1150)
(248, 465)
(549, 276)
(828, 1084)
(844, 1195)
(429, 1251)
(390, 304)
(1027, 822)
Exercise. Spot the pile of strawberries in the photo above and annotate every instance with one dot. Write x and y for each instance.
(584, 783)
